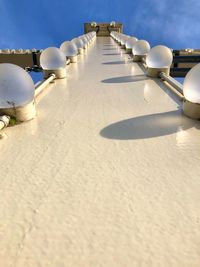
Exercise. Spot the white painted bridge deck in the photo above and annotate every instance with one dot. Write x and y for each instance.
(108, 174)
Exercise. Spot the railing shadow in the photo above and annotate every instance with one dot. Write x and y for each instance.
(149, 126)
(126, 79)
(107, 49)
(116, 62)
(113, 54)
(141, 66)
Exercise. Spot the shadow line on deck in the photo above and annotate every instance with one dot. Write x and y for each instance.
(113, 54)
(116, 62)
(111, 49)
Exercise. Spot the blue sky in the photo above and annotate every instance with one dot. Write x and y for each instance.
(43, 23)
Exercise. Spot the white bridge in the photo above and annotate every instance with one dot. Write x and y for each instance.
(107, 174)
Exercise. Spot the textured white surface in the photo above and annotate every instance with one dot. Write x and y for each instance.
(108, 174)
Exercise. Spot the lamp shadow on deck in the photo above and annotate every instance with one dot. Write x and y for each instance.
(116, 62)
(126, 79)
(148, 126)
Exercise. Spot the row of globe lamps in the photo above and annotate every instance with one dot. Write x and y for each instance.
(94, 24)
(17, 89)
(157, 60)
(18, 51)
(17, 94)
(56, 57)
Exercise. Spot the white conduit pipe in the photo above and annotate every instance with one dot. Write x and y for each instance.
(4, 121)
(144, 61)
(42, 85)
(177, 87)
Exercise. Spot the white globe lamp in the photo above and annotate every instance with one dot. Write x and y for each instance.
(53, 61)
(17, 92)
